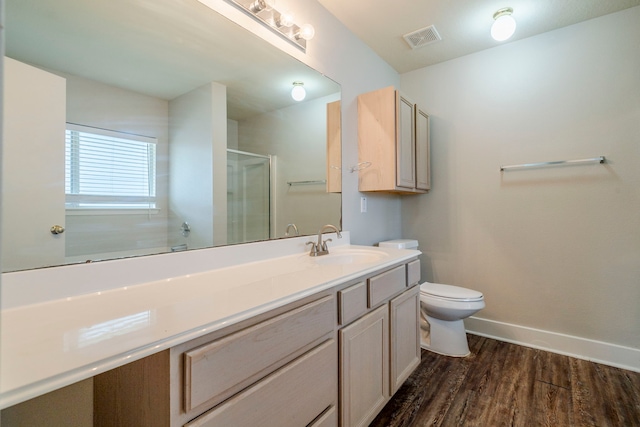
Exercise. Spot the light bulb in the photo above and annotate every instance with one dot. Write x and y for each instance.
(504, 25)
(286, 19)
(298, 93)
(306, 32)
(260, 5)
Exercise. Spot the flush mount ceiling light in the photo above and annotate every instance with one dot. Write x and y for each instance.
(503, 25)
(280, 22)
(298, 93)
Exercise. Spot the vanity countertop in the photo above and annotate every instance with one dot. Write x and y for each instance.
(49, 344)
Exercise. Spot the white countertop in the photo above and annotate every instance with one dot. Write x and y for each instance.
(58, 341)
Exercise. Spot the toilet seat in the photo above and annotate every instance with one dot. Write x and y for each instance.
(449, 292)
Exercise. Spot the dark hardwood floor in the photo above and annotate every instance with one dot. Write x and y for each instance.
(502, 384)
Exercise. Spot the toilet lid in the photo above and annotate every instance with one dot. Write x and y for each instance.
(451, 292)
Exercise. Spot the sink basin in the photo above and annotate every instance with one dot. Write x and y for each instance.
(349, 256)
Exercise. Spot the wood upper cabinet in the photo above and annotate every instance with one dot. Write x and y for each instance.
(393, 136)
(334, 148)
(423, 150)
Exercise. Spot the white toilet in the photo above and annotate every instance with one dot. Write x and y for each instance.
(442, 310)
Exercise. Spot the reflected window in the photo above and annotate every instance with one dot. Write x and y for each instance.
(109, 170)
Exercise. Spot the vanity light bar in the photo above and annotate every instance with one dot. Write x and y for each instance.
(263, 12)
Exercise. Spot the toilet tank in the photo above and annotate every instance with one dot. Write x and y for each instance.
(399, 244)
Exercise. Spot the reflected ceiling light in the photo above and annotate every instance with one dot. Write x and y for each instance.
(503, 25)
(298, 93)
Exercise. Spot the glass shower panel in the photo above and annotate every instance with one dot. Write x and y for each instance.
(248, 197)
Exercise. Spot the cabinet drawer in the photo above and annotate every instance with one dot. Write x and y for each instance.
(413, 272)
(384, 285)
(352, 303)
(295, 395)
(217, 370)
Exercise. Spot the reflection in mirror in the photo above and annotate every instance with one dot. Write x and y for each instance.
(142, 127)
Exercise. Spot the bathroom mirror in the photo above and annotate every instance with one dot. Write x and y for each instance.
(137, 127)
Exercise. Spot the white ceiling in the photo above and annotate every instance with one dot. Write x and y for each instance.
(464, 25)
(162, 48)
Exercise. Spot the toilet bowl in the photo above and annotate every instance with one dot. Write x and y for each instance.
(442, 310)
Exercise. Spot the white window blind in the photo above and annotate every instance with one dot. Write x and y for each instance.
(109, 170)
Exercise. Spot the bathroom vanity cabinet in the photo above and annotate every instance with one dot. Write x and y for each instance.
(247, 374)
(380, 349)
(332, 358)
(393, 140)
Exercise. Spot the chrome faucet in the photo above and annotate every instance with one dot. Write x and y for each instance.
(295, 229)
(320, 248)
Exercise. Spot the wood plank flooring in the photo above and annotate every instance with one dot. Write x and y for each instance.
(502, 384)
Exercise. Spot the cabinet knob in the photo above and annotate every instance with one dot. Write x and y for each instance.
(57, 229)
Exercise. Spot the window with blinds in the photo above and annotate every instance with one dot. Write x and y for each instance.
(109, 170)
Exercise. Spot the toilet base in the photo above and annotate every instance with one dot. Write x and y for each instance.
(446, 337)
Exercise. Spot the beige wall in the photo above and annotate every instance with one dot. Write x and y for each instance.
(556, 249)
(197, 189)
(297, 136)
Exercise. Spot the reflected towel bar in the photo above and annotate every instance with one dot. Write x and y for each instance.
(600, 159)
(317, 182)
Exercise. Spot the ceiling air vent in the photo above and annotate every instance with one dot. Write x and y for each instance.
(422, 37)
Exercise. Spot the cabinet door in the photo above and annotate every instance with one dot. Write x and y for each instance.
(405, 155)
(334, 148)
(364, 373)
(423, 148)
(405, 338)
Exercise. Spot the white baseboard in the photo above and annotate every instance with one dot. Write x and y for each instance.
(568, 345)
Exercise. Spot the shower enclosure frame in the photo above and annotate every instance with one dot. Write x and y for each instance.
(271, 162)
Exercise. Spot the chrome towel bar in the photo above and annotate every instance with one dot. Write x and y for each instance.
(316, 182)
(600, 159)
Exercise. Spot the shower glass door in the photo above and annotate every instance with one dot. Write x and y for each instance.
(248, 196)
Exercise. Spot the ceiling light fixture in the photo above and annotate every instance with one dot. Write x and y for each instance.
(280, 22)
(503, 25)
(298, 93)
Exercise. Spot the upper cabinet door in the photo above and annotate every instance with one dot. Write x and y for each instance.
(423, 148)
(405, 171)
(334, 148)
(387, 144)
